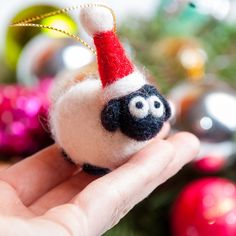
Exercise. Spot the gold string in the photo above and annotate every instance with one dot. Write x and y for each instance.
(28, 22)
(58, 30)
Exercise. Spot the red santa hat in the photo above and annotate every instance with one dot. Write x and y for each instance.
(118, 75)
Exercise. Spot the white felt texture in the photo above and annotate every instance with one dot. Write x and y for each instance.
(67, 79)
(96, 20)
(125, 86)
(76, 127)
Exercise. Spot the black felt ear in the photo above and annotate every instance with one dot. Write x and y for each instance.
(110, 115)
(167, 109)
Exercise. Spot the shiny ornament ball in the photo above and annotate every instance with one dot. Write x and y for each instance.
(17, 38)
(46, 57)
(214, 157)
(210, 164)
(206, 207)
(23, 119)
(206, 108)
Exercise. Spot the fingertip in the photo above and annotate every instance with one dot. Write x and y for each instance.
(186, 146)
(154, 149)
(189, 140)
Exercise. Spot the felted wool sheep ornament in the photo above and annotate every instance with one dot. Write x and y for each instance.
(101, 121)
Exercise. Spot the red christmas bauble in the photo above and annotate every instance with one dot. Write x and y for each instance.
(206, 207)
(210, 163)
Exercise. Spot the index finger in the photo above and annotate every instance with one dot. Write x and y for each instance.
(107, 199)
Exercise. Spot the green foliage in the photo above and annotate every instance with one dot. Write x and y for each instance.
(216, 38)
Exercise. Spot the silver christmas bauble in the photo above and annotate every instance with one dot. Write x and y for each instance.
(206, 108)
(45, 57)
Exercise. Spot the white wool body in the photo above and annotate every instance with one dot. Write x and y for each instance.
(76, 127)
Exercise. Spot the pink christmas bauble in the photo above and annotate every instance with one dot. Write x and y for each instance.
(23, 118)
(206, 207)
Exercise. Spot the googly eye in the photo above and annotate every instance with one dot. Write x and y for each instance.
(138, 107)
(156, 106)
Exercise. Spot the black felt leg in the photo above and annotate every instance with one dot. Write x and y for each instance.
(90, 169)
(94, 170)
(66, 157)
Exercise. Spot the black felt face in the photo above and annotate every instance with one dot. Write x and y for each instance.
(139, 115)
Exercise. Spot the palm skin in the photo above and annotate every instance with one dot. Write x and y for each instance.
(47, 195)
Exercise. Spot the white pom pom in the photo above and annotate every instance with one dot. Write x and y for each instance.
(96, 20)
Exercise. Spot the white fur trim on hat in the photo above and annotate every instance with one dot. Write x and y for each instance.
(125, 86)
(96, 20)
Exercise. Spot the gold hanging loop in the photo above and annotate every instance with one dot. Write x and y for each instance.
(28, 22)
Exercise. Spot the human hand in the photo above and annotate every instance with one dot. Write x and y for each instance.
(46, 195)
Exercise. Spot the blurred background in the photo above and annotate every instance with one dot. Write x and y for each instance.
(189, 50)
